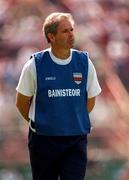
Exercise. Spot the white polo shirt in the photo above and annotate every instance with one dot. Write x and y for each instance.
(27, 84)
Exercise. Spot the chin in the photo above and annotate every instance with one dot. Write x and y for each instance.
(71, 45)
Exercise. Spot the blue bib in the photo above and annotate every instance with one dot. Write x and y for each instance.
(61, 96)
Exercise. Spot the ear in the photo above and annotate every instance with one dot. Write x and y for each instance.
(51, 37)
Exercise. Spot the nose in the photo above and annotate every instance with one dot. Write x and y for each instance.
(70, 33)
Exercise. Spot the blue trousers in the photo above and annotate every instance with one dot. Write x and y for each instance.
(54, 157)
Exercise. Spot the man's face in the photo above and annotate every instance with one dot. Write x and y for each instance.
(64, 37)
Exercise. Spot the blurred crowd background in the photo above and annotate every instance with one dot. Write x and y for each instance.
(102, 29)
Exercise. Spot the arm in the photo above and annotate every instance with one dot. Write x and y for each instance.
(90, 104)
(23, 104)
(93, 87)
(26, 88)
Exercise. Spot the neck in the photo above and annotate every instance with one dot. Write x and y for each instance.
(61, 54)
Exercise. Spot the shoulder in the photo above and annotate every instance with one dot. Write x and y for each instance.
(85, 55)
(85, 59)
(80, 52)
(91, 65)
(81, 57)
(29, 67)
(29, 64)
(39, 55)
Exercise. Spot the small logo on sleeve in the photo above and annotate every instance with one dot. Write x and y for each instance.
(77, 77)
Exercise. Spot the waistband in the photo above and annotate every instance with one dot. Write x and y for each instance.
(32, 125)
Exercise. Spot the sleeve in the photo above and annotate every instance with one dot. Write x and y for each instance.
(27, 81)
(93, 87)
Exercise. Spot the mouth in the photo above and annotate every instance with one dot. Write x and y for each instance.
(71, 41)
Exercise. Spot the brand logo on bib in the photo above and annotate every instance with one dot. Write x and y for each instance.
(50, 78)
(77, 77)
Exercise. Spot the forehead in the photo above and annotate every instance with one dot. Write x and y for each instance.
(65, 24)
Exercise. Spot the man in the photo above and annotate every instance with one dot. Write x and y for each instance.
(55, 94)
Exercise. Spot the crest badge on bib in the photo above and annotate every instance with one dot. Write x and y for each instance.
(77, 77)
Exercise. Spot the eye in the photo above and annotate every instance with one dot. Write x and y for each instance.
(67, 30)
